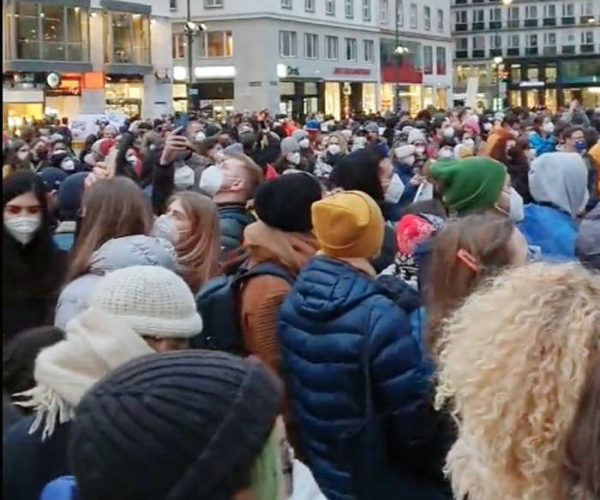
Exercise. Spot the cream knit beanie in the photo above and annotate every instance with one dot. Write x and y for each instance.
(152, 300)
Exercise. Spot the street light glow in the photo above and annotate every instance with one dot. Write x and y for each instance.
(401, 50)
(498, 60)
(507, 2)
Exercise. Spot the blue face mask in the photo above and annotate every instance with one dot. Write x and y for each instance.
(581, 146)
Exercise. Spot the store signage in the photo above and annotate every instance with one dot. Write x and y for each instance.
(255, 84)
(347, 89)
(293, 71)
(532, 84)
(53, 80)
(352, 71)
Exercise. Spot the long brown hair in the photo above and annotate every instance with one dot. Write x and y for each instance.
(580, 475)
(199, 249)
(450, 279)
(113, 208)
(498, 150)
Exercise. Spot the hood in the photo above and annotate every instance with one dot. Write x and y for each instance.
(328, 288)
(588, 241)
(293, 250)
(130, 251)
(561, 180)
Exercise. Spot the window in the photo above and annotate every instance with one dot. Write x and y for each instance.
(286, 4)
(550, 39)
(213, 4)
(427, 18)
(288, 41)
(461, 17)
(532, 41)
(331, 48)
(514, 41)
(568, 10)
(531, 12)
(428, 60)
(128, 37)
(51, 32)
(413, 15)
(309, 5)
(400, 13)
(311, 46)
(479, 42)
(496, 15)
(383, 11)
(350, 49)
(587, 38)
(215, 44)
(440, 19)
(179, 45)
(587, 9)
(369, 48)
(349, 9)
(478, 16)
(550, 11)
(366, 10)
(513, 13)
(330, 7)
(495, 42)
(172, 4)
(440, 60)
(462, 44)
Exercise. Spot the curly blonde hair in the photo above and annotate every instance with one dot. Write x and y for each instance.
(513, 362)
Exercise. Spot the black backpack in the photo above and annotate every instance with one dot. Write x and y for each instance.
(217, 303)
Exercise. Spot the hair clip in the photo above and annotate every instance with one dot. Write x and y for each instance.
(468, 260)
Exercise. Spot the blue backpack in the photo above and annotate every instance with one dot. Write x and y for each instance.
(217, 303)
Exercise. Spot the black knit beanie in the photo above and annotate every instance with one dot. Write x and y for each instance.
(187, 425)
(285, 203)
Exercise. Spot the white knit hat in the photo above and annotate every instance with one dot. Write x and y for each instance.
(152, 300)
(405, 151)
(415, 135)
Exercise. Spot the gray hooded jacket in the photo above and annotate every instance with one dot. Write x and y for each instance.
(115, 254)
(588, 242)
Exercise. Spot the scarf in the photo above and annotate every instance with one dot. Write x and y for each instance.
(95, 344)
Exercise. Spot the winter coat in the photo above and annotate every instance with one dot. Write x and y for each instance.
(393, 212)
(46, 460)
(64, 235)
(233, 219)
(549, 230)
(333, 314)
(115, 254)
(588, 240)
(262, 296)
(10, 415)
(388, 250)
(542, 145)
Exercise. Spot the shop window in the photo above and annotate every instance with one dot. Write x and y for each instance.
(533, 73)
(428, 60)
(440, 60)
(369, 47)
(288, 43)
(550, 73)
(427, 18)
(51, 32)
(515, 73)
(331, 48)
(348, 8)
(215, 44)
(351, 49)
(128, 38)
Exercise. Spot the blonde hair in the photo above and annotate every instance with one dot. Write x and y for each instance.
(513, 363)
(343, 142)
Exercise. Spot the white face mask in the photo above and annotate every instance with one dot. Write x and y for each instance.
(470, 143)
(395, 190)
(131, 159)
(165, 227)
(334, 149)
(359, 143)
(448, 132)
(548, 127)
(487, 126)
(409, 160)
(212, 180)
(445, 153)
(304, 143)
(199, 136)
(420, 150)
(184, 177)
(516, 211)
(293, 158)
(23, 229)
(67, 165)
(22, 155)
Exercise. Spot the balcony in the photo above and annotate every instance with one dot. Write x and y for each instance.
(568, 21)
(586, 48)
(495, 52)
(568, 49)
(461, 54)
(478, 26)
(550, 21)
(550, 51)
(531, 51)
(531, 23)
(587, 20)
(461, 27)
(495, 25)
(460, 2)
(478, 54)
(513, 52)
(513, 23)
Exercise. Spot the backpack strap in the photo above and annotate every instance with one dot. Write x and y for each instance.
(265, 269)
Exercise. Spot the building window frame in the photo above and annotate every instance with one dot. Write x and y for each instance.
(330, 7)
(366, 8)
(309, 5)
(311, 46)
(383, 11)
(400, 13)
(369, 51)
(213, 4)
(351, 49)
(287, 4)
(414, 23)
(440, 20)
(227, 44)
(291, 44)
(427, 18)
(139, 48)
(332, 48)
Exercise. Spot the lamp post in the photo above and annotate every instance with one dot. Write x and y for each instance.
(399, 52)
(498, 60)
(192, 30)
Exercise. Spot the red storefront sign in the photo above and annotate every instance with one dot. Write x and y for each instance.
(352, 72)
(404, 73)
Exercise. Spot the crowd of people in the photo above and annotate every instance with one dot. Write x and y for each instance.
(366, 309)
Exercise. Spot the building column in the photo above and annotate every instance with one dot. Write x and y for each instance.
(157, 99)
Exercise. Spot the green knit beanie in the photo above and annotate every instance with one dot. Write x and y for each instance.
(470, 185)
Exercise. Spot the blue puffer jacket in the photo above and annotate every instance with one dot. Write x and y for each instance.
(549, 230)
(331, 315)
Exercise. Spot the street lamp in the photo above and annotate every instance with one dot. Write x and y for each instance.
(399, 52)
(498, 60)
(192, 30)
(507, 2)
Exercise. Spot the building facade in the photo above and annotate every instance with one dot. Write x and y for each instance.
(304, 56)
(527, 52)
(71, 57)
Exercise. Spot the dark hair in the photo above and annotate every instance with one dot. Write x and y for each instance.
(30, 267)
(18, 357)
(359, 171)
(450, 281)
(433, 207)
(591, 137)
(206, 145)
(511, 119)
(569, 131)
(581, 454)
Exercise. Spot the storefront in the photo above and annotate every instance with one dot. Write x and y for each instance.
(435, 96)
(64, 97)
(342, 97)
(22, 98)
(124, 94)
(410, 98)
